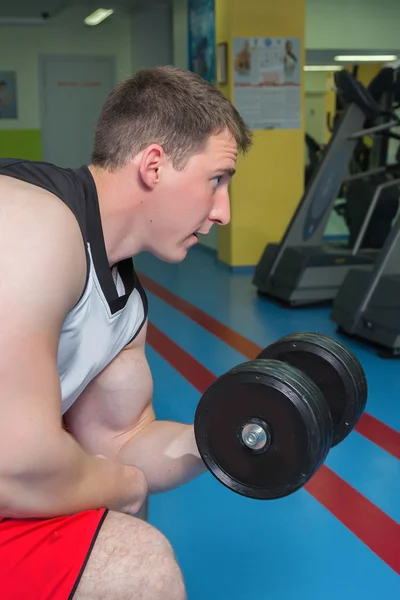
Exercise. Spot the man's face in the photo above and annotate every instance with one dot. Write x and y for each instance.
(188, 202)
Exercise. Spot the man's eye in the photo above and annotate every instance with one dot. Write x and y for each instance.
(217, 179)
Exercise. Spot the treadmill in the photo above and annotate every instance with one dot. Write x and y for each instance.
(302, 269)
(367, 305)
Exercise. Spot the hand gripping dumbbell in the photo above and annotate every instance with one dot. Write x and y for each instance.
(265, 427)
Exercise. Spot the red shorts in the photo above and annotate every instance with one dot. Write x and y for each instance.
(45, 559)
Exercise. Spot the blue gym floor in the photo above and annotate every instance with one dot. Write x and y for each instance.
(334, 540)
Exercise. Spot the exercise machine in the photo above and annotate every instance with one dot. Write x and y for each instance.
(313, 153)
(358, 194)
(303, 269)
(367, 305)
(385, 89)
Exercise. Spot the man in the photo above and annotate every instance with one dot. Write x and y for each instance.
(80, 447)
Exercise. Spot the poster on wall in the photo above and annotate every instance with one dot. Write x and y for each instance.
(8, 95)
(267, 82)
(201, 22)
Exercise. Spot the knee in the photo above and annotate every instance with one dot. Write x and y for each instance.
(152, 560)
(164, 576)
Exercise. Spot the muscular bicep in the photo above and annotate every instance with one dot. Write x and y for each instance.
(117, 403)
(38, 242)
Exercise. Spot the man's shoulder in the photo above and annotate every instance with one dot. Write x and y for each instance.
(73, 187)
(30, 193)
(60, 181)
(39, 236)
(22, 200)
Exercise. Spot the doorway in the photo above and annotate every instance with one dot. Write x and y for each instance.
(73, 90)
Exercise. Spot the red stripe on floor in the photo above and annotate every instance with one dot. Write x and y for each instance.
(232, 338)
(179, 359)
(382, 435)
(371, 428)
(371, 525)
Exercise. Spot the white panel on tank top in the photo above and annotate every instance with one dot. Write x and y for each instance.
(91, 336)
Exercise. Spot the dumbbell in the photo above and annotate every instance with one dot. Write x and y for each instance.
(265, 427)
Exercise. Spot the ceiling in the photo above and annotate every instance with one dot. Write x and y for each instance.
(35, 8)
(39, 8)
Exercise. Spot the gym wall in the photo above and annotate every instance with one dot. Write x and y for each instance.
(319, 100)
(352, 24)
(142, 39)
(269, 180)
(180, 33)
(20, 49)
(363, 24)
(152, 36)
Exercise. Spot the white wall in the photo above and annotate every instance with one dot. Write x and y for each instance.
(315, 116)
(316, 86)
(317, 82)
(180, 33)
(353, 24)
(20, 48)
(152, 36)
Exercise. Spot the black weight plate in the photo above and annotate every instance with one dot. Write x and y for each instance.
(336, 371)
(297, 417)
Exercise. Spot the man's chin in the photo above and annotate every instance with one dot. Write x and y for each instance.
(173, 258)
(178, 253)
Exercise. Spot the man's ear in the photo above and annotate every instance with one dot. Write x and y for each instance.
(153, 157)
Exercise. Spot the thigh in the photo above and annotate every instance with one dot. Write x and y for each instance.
(42, 559)
(130, 560)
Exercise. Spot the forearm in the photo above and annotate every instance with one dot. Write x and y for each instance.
(60, 478)
(167, 453)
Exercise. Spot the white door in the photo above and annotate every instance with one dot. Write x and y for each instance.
(73, 92)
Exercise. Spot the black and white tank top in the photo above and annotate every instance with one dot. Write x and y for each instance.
(113, 305)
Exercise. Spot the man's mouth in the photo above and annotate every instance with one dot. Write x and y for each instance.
(197, 233)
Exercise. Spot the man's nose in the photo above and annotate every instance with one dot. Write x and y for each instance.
(221, 213)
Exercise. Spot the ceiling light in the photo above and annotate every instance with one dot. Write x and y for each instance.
(322, 68)
(366, 58)
(98, 16)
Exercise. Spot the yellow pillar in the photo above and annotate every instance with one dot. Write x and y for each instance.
(270, 180)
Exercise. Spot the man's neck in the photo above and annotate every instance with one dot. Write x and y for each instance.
(120, 227)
